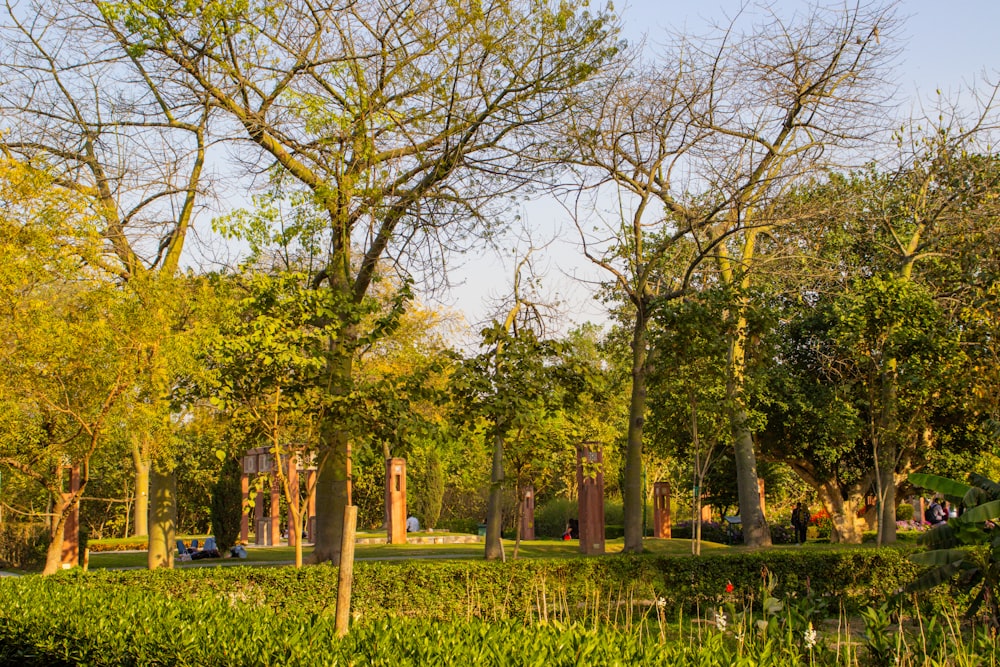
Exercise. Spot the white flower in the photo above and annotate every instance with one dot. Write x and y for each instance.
(810, 637)
(721, 620)
(661, 603)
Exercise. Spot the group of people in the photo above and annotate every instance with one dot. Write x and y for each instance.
(209, 550)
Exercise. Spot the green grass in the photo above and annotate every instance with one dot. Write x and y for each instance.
(286, 554)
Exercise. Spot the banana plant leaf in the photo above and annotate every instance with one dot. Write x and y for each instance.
(954, 491)
(986, 512)
(939, 557)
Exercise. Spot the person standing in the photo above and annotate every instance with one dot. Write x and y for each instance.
(800, 522)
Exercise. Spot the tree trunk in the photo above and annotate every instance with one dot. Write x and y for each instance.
(885, 456)
(755, 530)
(332, 496)
(163, 514)
(887, 494)
(633, 491)
(333, 477)
(494, 509)
(141, 463)
(843, 513)
(53, 555)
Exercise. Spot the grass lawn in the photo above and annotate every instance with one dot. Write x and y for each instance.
(285, 554)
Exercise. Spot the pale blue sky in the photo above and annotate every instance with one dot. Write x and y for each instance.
(945, 45)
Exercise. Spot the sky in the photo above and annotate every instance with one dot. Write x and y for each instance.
(944, 45)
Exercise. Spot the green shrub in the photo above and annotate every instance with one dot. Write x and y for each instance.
(470, 526)
(904, 512)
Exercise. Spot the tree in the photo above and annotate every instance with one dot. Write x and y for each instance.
(132, 145)
(262, 369)
(66, 356)
(400, 121)
(694, 148)
(227, 505)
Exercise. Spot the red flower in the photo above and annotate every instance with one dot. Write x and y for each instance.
(729, 587)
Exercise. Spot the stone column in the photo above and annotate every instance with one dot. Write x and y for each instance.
(528, 513)
(395, 500)
(661, 510)
(590, 485)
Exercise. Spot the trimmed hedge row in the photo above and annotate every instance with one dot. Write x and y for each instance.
(426, 612)
(462, 589)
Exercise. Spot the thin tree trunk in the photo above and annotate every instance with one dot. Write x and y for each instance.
(163, 512)
(633, 491)
(494, 509)
(141, 465)
(518, 514)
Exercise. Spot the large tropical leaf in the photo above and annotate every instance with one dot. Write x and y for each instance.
(987, 484)
(934, 577)
(986, 512)
(939, 557)
(943, 536)
(943, 485)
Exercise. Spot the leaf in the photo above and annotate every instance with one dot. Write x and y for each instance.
(986, 512)
(938, 484)
(939, 557)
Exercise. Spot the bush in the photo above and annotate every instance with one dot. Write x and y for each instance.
(470, 526)
(551, 518)
(904, 512)
(710, 531)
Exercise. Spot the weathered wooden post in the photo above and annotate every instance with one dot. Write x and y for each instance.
(528, 513)
(293, 484)
(661, 510)
(590, 498)
(345, 571)
(311, 504)
(760, 491)
(395, 500)
(249, 468)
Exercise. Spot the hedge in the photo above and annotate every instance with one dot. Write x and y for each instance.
(459, 589)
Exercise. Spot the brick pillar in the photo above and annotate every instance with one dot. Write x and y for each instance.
(293, 485)
(661, 510)
(706, 513)
(528, 513)
(261, 525)
(311, 505)
(395, 500)
(71, 529)
(275, 514)
(245, 505)
(590, 485)
(760, 491)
